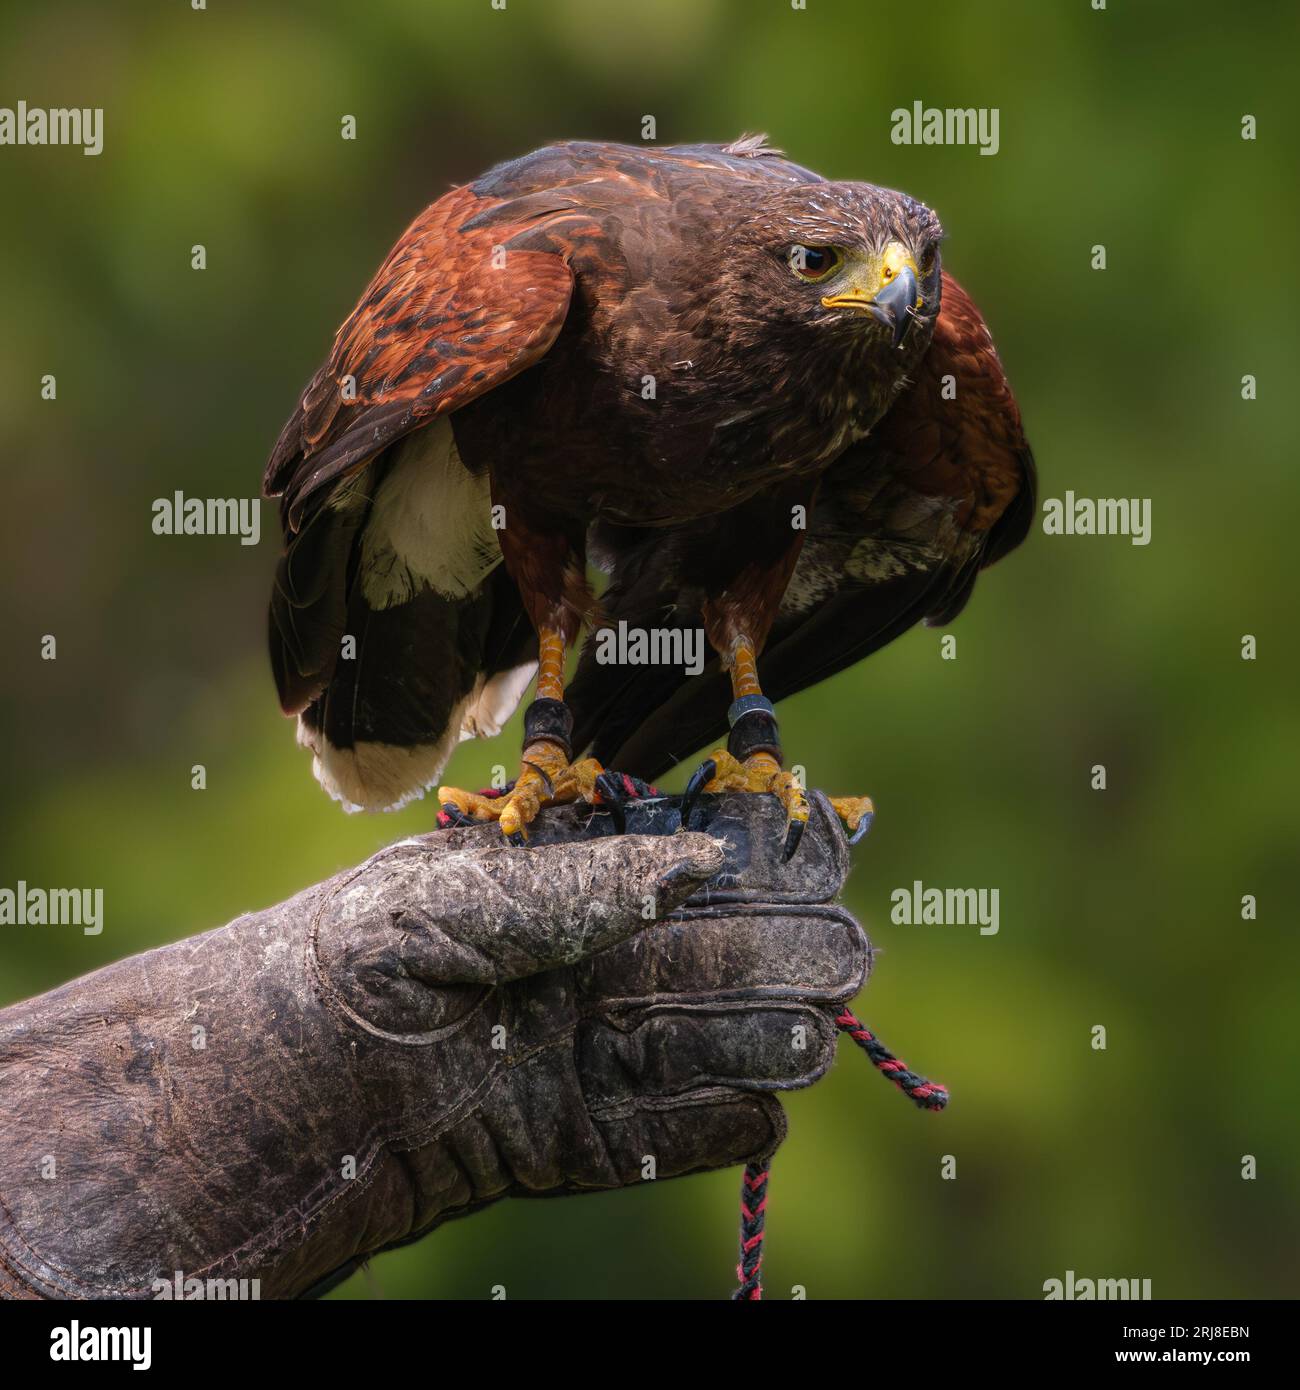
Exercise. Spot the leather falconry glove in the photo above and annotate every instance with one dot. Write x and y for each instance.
(452, 1022)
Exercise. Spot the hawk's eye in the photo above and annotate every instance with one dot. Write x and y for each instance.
(813, 263)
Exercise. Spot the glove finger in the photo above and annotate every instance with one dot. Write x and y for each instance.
(492, 915)
(670, 1136)
(671, 1050)
(734, 952)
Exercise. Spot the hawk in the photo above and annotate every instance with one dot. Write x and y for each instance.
(749, 395)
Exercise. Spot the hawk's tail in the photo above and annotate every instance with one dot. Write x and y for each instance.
(384, 694)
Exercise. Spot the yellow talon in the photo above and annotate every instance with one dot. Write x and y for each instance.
(852, 810)
(472, 804)
(546, 778)
(760, 772)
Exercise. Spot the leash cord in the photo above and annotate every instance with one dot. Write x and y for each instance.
(928, 1095)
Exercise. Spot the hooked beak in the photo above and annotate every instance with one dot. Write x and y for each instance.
(894, 305)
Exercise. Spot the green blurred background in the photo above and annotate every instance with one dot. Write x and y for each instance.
(1120, 907)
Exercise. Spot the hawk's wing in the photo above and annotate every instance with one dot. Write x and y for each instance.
(904, 520)
(453, 312)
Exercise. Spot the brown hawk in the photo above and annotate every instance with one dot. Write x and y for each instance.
(748, 394)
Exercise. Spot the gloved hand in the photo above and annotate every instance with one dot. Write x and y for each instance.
(445, 1025)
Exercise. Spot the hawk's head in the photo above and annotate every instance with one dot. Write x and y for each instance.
(840, 258)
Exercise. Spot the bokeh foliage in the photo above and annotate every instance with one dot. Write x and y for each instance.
(1119, 907)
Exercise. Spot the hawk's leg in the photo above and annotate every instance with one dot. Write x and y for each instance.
(547, 777)
(751, 760)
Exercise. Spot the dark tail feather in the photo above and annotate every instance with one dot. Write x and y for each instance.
(384, 727)
(309, 606)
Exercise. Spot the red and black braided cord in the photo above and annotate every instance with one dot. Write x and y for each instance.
(929, 1095)
(753, 1214)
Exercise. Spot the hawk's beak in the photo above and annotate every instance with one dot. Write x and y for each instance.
(894, 305)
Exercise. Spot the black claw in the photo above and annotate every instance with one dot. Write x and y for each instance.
(863, 826)
(703, 774)
(546, 781)
(793, 837)
(612, 801)
(517, 840)
(455, 815)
